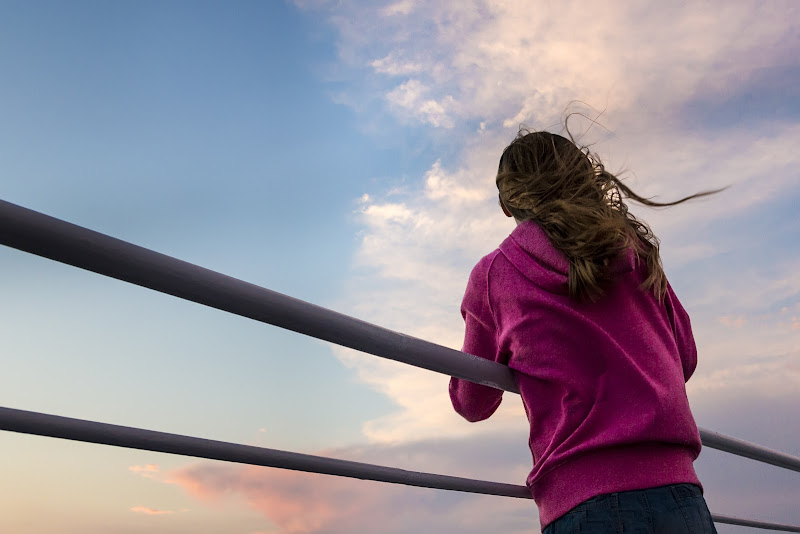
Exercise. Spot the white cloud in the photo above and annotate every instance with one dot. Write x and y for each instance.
(479, 69)
(408, 94)
(423, 405)
(441, 185)
(403, 7)
(427, 244)
(775, 376)
(517, 61)
(394, 67)
(411, 97)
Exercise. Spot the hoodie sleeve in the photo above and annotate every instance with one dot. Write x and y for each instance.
(682, 329)
(476, 402)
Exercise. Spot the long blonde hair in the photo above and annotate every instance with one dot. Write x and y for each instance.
(566, 190)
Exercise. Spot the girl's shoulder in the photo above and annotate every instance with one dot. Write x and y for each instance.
(478, 278)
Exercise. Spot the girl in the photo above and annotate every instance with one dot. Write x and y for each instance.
(575, 301)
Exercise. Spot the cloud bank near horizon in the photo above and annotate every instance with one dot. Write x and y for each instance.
(303, 503)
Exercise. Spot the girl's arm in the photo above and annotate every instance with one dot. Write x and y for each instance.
(476, 402)
(682, 329)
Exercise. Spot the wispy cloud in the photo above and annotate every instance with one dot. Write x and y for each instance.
(515, 61)
(756, 353)
(403, 7)
(391, 66)
(412, 97)
(732, 322)
(147, 471)
(300, 503)
(150, 511)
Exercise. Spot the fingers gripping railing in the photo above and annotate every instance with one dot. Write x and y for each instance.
(58, 240)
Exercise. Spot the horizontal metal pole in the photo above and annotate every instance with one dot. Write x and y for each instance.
(754, 524)
(61, 241)
(739, 447)
(56, 426)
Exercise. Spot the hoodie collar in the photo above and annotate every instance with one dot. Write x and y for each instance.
(530, 251)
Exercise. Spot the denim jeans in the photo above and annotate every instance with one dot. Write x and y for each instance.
(675, 509)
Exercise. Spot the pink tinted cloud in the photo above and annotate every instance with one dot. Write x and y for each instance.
(148, 468)
(305, 503)
(150, 511)
(732, 322)
(147, 471)
(298, 503)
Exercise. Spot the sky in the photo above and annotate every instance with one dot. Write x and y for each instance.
(343, 153)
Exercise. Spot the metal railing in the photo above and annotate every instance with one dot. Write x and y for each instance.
(61, 241)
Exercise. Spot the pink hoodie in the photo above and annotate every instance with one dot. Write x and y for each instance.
(603, 384)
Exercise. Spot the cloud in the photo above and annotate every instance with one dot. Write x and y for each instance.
(466, 74)
(404, 7)
(148, 468)
(759, 165)
(758, 355)
(732, 322)
(301, 503)
(416, 252)
(740, 486)
(150, 511)
(423, 407)
(147, 471)
(411, 96)
(514, 61)
(441, 185)
(309, 503)
(392, 67)
(476, 70)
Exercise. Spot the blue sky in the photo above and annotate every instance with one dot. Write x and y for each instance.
(342, 153)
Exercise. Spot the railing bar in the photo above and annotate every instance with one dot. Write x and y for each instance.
(739, 447)
(56, 426)
(754, 524)
(58, 240)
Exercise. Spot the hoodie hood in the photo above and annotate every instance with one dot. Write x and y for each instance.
(530, 251)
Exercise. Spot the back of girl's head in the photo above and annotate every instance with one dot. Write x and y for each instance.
(565, 189)
(538, 168)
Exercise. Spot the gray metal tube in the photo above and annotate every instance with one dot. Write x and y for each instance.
(754, 524)
(61, 241)
(739, 447)
(56, 426)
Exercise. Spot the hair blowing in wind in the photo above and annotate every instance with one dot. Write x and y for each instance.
(566, 189)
